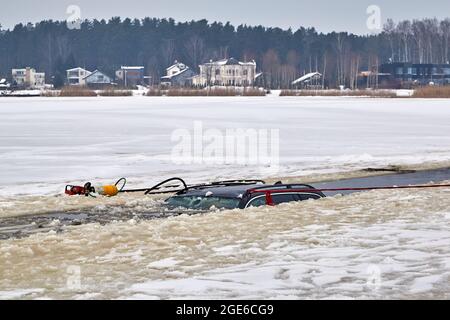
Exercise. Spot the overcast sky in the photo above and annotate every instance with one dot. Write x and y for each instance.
(325, 15)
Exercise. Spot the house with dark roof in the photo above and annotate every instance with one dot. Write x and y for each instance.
(130, 76)
(178, 74)
(414, 73)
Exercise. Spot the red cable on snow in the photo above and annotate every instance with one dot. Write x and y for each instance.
(256, 190)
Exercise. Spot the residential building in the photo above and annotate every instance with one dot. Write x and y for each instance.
(77, 76)
(28, 78)
(4, 85)
(178, 74)
(97, 79)
(312, 80)
(130, 76)
(410, 73)
(226, 72)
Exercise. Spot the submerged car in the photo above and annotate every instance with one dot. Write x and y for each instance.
(233, 194)
(241, 194)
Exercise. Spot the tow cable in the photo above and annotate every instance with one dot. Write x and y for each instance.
(262, 190)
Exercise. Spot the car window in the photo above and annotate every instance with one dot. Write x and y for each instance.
(257, 201)
(283, 198)
(306, 196)
(202, 203)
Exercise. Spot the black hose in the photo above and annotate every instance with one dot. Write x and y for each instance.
(184, 186)
(156, 187)
(123, 185)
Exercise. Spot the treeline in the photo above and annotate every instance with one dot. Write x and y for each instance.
(283, 55)
(420, 41)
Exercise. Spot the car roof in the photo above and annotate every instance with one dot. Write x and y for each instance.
(236, 191)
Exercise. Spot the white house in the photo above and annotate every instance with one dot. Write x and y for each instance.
(28, 78)
(178, 74)
(226, 72)
(176, 68)
(4, 85)
(77, 76)
(97, 79)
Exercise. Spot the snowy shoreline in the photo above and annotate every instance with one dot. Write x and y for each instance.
(380, 94)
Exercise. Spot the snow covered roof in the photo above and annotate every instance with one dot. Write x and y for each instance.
(132, 68)
(175, 74)
(372, 73)
(178, 65)
(231, 61)
(76, 69)
(95, 72)
(307, 77)
(258, 75)
(3, 81)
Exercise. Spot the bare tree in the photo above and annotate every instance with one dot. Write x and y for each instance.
(324, 71)
(195, 49)
(405, 30)
(431, 30)
(389, 30)
(354, 71)
(341, 51)
(223, 52)
(287, 75)
(418, 29)
(444, 29)
(271, 66)
(153, 70)
(290, 71)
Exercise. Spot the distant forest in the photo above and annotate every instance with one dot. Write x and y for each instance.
(283, 55)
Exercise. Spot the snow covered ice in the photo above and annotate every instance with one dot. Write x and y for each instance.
(46, 142)
(370, 245)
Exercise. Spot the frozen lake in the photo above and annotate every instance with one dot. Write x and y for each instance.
(378, 244)
(46, 142)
